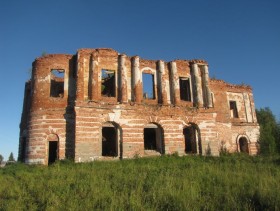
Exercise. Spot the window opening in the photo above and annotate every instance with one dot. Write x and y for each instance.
(153, 138)
(150, 139)
(57, 83)
(243, 145)
(190, 140)
(108, 83)
(53, 151)
(233, 109)
(148, 86)
(109, 141)
(185, 89)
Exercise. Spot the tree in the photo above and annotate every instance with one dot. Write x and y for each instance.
(11, 157)
(269, 139)
(1, 158)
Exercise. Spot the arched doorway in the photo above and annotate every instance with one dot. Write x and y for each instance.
(243, 145)
(53, 151)
(192, 140)
(53, 148)
(154, 138)
(111, 134)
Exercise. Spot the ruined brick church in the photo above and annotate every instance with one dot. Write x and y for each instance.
(100, 104)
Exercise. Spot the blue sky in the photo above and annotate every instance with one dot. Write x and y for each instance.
(240, 40)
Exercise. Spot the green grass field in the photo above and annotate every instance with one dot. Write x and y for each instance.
(230, 182)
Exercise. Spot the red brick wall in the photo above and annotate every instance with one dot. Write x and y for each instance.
(77, 118)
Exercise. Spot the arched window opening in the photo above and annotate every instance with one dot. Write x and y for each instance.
(153, 138)
(243, 145)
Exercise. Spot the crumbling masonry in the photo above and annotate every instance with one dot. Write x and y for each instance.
(99, 104)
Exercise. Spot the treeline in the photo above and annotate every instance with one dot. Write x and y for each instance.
(11, 158)
(269, 140)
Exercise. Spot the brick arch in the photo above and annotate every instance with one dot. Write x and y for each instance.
(243, 137)
(52, 137)
(187, 120)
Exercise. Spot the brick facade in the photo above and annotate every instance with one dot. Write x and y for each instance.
(96, 106)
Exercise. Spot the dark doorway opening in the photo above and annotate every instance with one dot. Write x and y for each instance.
(243, 145)
(190, 136)
(53, 151)
(153, 138)
(109, 141)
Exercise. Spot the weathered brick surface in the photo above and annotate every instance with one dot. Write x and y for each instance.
(75, 120)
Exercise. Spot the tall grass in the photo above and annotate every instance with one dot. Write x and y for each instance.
(163, 183)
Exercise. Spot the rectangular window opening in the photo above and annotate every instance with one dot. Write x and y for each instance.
(108, 86)
(233, 109)
(57, 83)
(185, 89)
(148, 86)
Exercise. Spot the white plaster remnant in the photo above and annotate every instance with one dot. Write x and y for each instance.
(136, 71)
(123, 72)
(175, 82)
(175, 75)
(207, 91)
(197, 85)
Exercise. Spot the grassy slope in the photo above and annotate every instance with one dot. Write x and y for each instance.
(162, 183)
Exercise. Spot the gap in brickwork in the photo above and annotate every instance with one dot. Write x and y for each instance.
(233, 109)
(57, 83)
(148, 86)
(108, 84)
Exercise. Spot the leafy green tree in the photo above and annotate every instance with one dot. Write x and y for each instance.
(11, 157)
(269, 139)
(1, 158)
